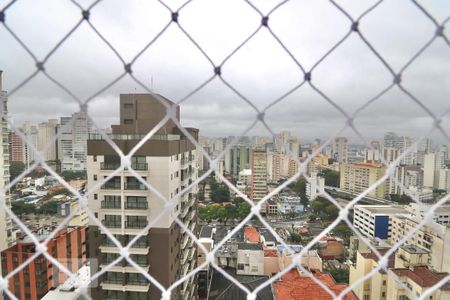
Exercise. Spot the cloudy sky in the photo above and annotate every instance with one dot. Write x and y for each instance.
(261, 70)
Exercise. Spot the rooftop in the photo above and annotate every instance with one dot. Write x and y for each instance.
(206, 232)
(382, 251)
(251, 235)
(295, 286)
(423, 276)
(248, 246)
(383, 209)
(414, 249)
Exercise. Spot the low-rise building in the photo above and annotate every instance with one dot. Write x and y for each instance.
(250, 259)
(431, 237)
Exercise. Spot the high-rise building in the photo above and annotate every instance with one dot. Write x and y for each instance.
(46, 142)
(68, 246)
(356, 178)
(429, 170)
(5, 219)
(238, 158)
(259, 176)
(31, 135)
(444, 179)
(72, 143)
(340, 149)
(126, 207)
(16, 147)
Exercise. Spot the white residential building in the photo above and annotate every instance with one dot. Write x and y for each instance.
(444, 179)
(46, 142)
(375, 220)
(72, 144)
(250, 259)
(315, 186)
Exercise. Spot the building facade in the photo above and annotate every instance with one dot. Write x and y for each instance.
(125, 207)
(357, 178)
(259, 176)
(68, 246)
(5, 220)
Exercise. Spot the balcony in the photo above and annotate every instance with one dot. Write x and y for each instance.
(109, 166)
(138, 205)
(111, 186)
(110, 205)
(116, 165)
(112, 224)
(135, 225)
(135, 186)
(139, 166)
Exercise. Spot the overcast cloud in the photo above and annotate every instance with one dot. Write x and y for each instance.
(262, 71)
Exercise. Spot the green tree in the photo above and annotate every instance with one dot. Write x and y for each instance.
(20, 208)
(400, 199)
(339, 275)
(243, 210)
(15, 169)
(72, 175)
(343, 231)
(331, 177)
(49, 208)
(300, 189)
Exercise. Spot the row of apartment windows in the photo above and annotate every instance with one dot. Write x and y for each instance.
(119, 295)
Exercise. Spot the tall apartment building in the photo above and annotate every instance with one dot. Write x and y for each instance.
(406, 176)
(5, 220)
(125, 206)
(16, 147)
(259, 176)
(444, 179)
(72, 144)
(31, 135)
(340, 149)
(68, 246)
(356, 178)
(429, 170)
(46, 135)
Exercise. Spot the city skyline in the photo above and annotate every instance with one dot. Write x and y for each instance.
(350, 76)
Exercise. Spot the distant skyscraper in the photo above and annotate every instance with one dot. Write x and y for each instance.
(31, 135)
(16, 147)
(259, 176)
(340, 149)
(430, 170)
(72, 143)
(5, 219)
(46, 135)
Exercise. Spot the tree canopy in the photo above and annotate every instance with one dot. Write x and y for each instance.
(15, 169)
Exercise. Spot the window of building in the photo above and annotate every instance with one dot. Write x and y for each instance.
(240, 266)
(383, 294)
(128, 121)
(384, 282)
(128, 105)
(95, 177)
(94, 157)
(135, 202)
(95, 196)
(366, 297)
(115, 295)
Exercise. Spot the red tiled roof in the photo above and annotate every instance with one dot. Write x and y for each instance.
(423, 276)
(270, 253)
(293, 286)
(251, 235)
